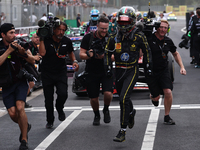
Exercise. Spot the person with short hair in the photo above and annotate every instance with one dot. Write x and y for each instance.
(44, 17)
(160, 82)
(34, 43)
(32, 19)
(78, 20)
(93, 51)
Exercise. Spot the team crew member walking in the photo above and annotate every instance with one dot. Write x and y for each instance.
(194, 28)
(54, 71)
(161, 81)
(129, 41)
(92, 50)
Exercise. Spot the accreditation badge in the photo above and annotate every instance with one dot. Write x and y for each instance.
(164, 55)
(124, 57)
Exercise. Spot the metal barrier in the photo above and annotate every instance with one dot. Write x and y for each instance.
(26, 30)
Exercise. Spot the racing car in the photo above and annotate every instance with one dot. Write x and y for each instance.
(79, 77)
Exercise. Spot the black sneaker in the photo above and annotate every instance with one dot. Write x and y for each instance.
(96, 121)
(23, 145)
(192, 62)
(196, 66)
(120, 136)
(132, 119)
(61, 116)
(27, 105)
(107, 118)
(49, 125)
(28, 129)
(155, 103)
(168, 120)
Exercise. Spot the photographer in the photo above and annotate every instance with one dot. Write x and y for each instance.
(93, 51)
(14, 90)
(160, 82)
(33, 46)
(53, 50)
(129, 41)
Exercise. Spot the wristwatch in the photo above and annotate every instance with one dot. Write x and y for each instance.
(75, 61)
(88, 55)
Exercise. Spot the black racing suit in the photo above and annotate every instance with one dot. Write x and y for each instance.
(91, 27)
(195, 34)
(127, 53)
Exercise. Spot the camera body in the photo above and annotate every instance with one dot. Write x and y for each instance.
(24, 73)
(149, 25)
(46, 28)
(98, 47)
(185, 42)
(22, 43)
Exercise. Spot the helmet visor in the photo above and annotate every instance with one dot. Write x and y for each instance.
(123, 18)
(123, 22)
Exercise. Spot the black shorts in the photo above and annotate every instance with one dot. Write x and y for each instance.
(93, 84)
(11, 94)
(159, 81)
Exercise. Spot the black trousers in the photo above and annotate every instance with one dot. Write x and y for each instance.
(125, 82)
(59, 81)
(196, 48)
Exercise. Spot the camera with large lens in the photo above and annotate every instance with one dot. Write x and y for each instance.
(22, 43)
(98, 47)
(185, 42)
(46, 27)
(24, 73)
(149, 25)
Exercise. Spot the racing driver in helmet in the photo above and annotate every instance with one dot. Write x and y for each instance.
(128, 43)
(92, 24)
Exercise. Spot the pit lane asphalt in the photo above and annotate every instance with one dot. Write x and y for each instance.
(149, 132)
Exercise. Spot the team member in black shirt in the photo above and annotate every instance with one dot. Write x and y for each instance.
(161, 82)
(54, 71)
(95, 68)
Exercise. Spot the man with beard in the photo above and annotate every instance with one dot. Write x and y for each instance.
(93, 47)
(14, 91)
(54, 71)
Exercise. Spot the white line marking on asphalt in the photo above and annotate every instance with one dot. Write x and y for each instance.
(150, 133)
(33, 95)
(49, 139)
(3, 110)
(183, 30)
